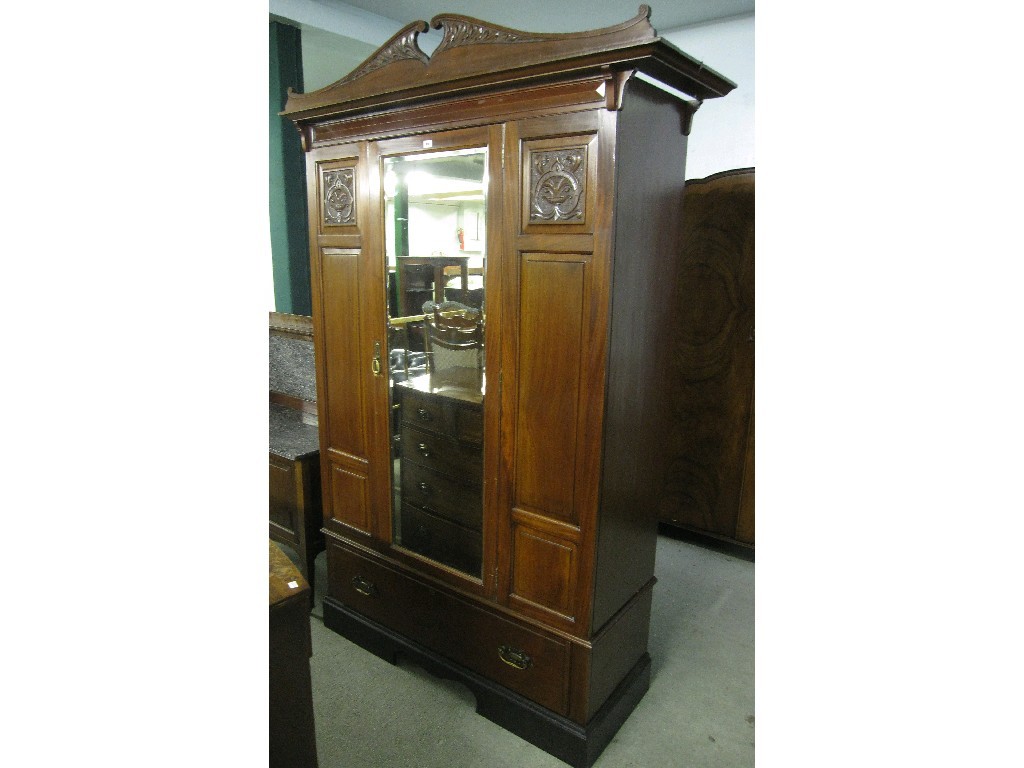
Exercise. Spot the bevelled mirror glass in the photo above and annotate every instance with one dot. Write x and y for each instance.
(435, 235)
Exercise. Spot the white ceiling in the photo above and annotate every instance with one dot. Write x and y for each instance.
(554, 15)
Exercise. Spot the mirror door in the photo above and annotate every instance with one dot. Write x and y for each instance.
(435, 232)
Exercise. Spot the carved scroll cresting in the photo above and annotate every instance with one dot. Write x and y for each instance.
(402, 46)
(558, 184)
(462, 30)
(466, 30)
(339, 196)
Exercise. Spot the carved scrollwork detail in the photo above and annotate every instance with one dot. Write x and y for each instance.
(461, 30)
(340, 196)
(402, 46)
(558, 184)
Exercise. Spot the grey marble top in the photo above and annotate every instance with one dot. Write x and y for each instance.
(292, 370)
(289, 437)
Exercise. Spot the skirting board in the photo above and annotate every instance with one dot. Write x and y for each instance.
(577, 745)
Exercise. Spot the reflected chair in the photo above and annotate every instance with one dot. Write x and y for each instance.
(454, 338)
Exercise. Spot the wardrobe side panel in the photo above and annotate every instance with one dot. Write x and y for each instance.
(650, 173)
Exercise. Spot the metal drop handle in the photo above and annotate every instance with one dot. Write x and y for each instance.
(364, 586)
(515, 657)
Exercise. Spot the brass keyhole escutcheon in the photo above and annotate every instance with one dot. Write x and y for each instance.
(375, 364)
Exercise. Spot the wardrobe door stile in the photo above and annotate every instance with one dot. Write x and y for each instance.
(376, 342)
(495, 343)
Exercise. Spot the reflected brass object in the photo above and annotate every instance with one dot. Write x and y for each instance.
(515, 657)
(364, 587)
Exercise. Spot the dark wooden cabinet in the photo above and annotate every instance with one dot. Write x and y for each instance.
(490, 493)
(295, 503)
(708, 485)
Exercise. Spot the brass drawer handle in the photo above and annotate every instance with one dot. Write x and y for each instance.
(363, 586)
(515, 657)
(424, 450)
(424, 414)
(425, 488)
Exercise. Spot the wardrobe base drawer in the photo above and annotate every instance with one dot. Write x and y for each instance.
(520, 658)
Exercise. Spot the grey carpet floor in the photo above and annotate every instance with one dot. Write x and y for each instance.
(698, 713)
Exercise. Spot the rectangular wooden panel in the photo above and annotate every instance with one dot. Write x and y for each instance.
(346, 429)
(349, 498)
(543, 570)
(282, 494)
(551, 339)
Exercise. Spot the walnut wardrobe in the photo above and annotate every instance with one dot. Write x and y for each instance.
(491, 232)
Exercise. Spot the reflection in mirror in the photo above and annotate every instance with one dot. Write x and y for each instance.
(435, 234)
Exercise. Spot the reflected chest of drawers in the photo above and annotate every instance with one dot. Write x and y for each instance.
(440, 489)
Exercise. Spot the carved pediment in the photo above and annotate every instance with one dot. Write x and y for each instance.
(475, 54)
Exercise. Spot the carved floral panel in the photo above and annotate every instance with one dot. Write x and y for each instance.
(558, 184)
(339, 196)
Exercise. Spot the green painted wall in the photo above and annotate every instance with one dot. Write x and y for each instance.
(289, 240)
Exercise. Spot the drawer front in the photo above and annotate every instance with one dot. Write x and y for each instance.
(469, 425)
(441, 540)
(424, 412)
(518, 658)
(442, 453)
(381, 594)
(442, 496)
(443, 416)
(529, 663)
